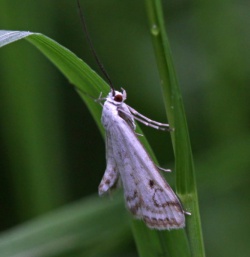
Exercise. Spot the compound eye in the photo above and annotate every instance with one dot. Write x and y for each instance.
(118, 98)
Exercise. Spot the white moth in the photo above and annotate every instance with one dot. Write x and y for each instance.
(148, 196)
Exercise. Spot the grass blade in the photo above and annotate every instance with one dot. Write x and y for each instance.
(83, 78)
(31, 133)
(185, 175)
(74, 230)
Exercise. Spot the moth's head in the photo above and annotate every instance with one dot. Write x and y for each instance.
(117, 97)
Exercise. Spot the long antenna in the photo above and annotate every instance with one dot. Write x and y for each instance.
(98, 61)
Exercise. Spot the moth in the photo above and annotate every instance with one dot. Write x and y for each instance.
(147, 195)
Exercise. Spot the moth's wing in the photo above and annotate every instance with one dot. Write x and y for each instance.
(125, 114)
(147, 194)
(111, 174)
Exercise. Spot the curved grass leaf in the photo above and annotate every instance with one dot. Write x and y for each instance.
(75, 230)
(86, 80)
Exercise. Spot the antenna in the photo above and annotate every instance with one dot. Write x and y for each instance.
(98, 61)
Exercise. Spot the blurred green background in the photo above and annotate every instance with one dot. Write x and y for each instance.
(52, 153)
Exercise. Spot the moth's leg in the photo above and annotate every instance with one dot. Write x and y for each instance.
(162, 169)
(100, 98)
(111, 174)
(148, 122)
(152, 125)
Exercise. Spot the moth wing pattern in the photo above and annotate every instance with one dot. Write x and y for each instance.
(148, 196)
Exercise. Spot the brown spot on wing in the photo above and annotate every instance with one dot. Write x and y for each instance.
(151, 183)
(166, 223)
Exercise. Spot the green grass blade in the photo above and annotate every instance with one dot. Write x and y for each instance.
(31, 134)
(80, 75)
(85, 228)
(185, 175)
